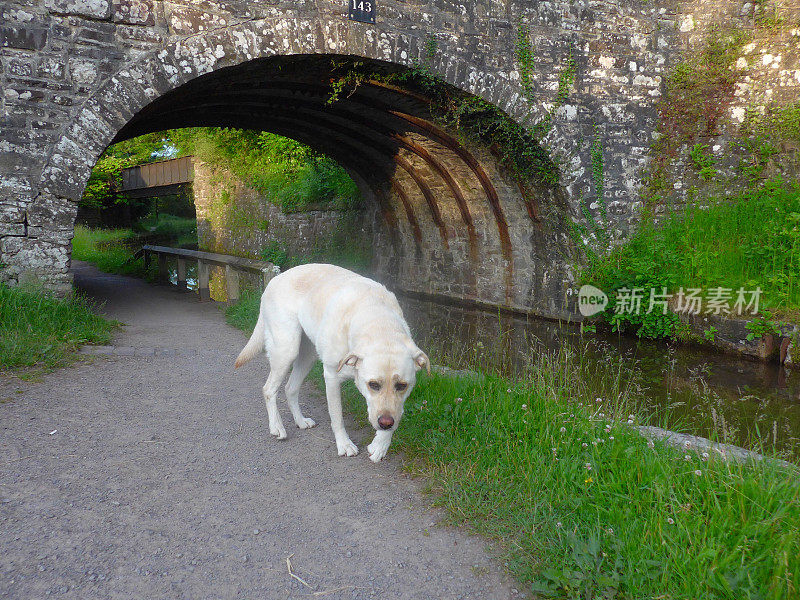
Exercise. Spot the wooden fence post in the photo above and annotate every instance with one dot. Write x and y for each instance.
(202, 280)
(163, 272)
(231, 284)
(182, 273)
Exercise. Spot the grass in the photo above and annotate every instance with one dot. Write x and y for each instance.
(749, 241)
(584, 507)
(110, 250)
(244, 314)
(40, 332)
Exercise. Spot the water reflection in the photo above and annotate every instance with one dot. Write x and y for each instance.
(708, 394)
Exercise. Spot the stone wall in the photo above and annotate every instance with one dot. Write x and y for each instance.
(766, 71)
(77, 75)
(233, 218)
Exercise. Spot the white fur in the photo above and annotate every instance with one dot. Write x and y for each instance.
(356, 328)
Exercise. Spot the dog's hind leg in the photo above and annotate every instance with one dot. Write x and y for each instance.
(282, 347)
(302, 365)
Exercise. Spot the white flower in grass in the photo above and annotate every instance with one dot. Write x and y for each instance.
(610, 531)
(611, 438)
(558, 523)
(458, 400)
(631, 417)
(585, 445)
(650, 444)
(705, 455)
(587, 466)
(687, 458)
(594, 443)
(698, 472)
(608, 428)
(630, 421)
(508, 390)
(524, 407)
(563, 429)
(599, 400)
(670, 521)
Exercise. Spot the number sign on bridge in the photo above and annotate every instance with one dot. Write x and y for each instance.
(362, 10)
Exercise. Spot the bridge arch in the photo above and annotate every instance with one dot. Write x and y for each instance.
(147, 77)
(449, 220)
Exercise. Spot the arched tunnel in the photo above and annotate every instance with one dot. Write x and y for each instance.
(450, 220)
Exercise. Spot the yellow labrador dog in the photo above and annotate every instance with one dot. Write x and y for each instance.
(357, 329)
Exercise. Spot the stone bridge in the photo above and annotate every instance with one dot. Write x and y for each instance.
(448, 218)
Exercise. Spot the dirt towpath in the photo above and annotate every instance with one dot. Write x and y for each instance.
(150, 473)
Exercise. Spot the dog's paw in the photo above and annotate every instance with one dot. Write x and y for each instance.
(347, 448)
(377, 450)
(306, 423)
(279, 432)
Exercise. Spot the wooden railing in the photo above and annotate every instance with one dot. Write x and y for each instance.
(205, 260)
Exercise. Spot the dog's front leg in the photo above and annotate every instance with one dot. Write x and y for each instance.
(344, 444)
(379, 446)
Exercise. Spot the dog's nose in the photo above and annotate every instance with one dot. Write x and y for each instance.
(385, 422)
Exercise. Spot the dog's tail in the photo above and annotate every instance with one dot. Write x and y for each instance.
(254, 345)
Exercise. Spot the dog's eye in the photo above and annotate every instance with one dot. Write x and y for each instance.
(400, 386)
(374, 385)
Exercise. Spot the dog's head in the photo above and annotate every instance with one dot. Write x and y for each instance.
(385, 377)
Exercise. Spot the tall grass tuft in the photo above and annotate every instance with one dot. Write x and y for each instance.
(42, 331)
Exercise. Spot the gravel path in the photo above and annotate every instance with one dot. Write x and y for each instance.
(154, 476)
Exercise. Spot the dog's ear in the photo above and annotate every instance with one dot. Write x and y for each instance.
(422, 361)
(351, 360)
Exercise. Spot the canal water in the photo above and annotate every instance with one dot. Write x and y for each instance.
(731, 399)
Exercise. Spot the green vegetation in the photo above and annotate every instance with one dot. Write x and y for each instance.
(168, 230)
(286, 172)
(749, 241)
(39, 332)
(518, 147)
(110, 250)
(582, 504)
(244, 314)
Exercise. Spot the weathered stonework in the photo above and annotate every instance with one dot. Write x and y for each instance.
(233, 218)
(79, 74)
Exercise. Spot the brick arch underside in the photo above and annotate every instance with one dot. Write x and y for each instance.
(448, 220)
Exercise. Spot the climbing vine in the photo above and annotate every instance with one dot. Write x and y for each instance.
(473, 117)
